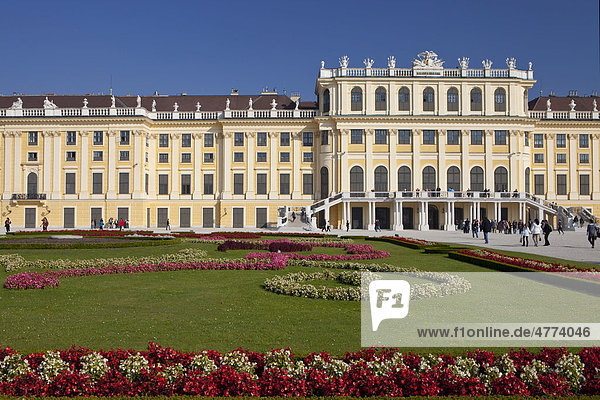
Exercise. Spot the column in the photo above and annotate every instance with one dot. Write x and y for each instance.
(453, 214)
(47, 135)
(273, 160)
(138, 148)
(513, 182)
(573, 189)
(393, 173)
(426, 216)
(17, 171)
(551, 177)
(297, 174)
(344, 214)
(174, 166)
(343, 164)
(197, 193)
(400, 216)
(326, 212)
(56, 187)
(371, 224)
(595, 189)
(8, 139)
(84, 170)
(416, 153)
(369, 172)
(250, 164)
(521, 217)
(112, 171)
(225, 165)
(442, 160)
(152, 165)
(464, 158)
(489, 168)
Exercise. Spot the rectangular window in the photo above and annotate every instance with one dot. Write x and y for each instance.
(123, 182)
(32, 138)
(561, 141)
(238, 183)
(71, 155)
(98, 138)
(476, 137)
(97, 155)
(261, 156)
(527, 139)
(208, 183)
(124, 155)
(32, 156)
(428, 137)
(584, 184)
(163, 157)
(381, 136)
(284, 156)
(238, 156)
(124, 138)
(209, 140)
(261, 139)
(186, 140)
(584, 158)
(284, 139)
(500, 138)
(324, 137)
(163, 184)
(70, 183)
(209, 157)
(538, 140)
(453, 137)
(261, 183)
(307, 183)
(561, 158)
(163, 140)
(284, 183)
(97, 183)
(584, 141)
(561, 184)
(186, 158)
(538, 184)
(307, 157)
(356, 136)
(538, 158)
(238, 139)
(71, 138)
(403, 136)
(307, 139)
(186, 184)
(146, 182)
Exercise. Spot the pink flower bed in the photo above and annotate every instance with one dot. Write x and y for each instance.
(419, 242)
(355, 252)
(168, 372)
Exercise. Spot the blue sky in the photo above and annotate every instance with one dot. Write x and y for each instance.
(201, 47)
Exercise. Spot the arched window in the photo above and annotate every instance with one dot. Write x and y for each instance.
(452, 99)
(476, 103)
(380, 99)
(381, 179)
(32, 183)
(356, 100)
(326, 101)
(357, 179)
(499, 100)
(454, 178)
(429, 178)
(527, 180)
(477, 179)
(404, 179)
(428, 99)
(500, 179)
(324, 182)
(404, 99)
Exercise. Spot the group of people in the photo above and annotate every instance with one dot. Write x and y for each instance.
(115, 223)
(533, 228)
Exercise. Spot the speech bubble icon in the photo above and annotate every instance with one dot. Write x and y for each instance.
(389, 300)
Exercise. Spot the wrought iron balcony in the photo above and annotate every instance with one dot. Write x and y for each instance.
(28, 196)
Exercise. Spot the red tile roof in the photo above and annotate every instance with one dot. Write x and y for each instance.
(562, 103)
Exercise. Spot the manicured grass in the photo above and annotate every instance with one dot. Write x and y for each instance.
(189, 310)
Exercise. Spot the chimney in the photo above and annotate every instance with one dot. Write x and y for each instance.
(573, 93)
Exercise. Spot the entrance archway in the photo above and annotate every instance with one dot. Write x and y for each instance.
(434, 217)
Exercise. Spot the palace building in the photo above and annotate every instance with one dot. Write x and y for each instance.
(415, 148)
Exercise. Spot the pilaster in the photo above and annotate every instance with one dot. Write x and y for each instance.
(273, 161)
(250, 154)
(297, 175)
(152, 165)
(138, 147)
(175, 166)
(551, 177)
(595, 189)
(47, 171)
(464, 158)
(489, 167)
(393, 173)
(573, 189)
(8, 144)
(17, 163)
(225, 166)
(369, 172)
(112, 170)
(442, 159)
(416, 152)
(343, 163)
(56, 149)
(197, 193)
(84, 170)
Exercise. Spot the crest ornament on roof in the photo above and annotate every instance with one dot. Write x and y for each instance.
(344, 61)
(428, 59)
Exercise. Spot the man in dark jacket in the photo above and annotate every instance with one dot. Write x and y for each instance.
(486, 227)
(547, 228)
(592, 233)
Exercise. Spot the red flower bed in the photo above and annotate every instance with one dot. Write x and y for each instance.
(239, 245)
(288, 247)
(165, 371)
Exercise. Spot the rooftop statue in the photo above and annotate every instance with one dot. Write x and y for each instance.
(273, 104)
(112, 101)
(572, 104)
(153, 105)
(548, 105)
(391, 62)
(487, 64)
(250, 104)
(175, 107)
(463, 62)
(49, 105)
(427, 59)
(511, 63)
(322, 64)
(344, 61)
(595, 106)
(297, 103)
(368, 62)
(17, 105)
(85, 102)
(198, 105)
(530, 65)
(227, 103)
(139, 102)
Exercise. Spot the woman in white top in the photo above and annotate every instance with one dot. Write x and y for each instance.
(536, 230)
(525, 233)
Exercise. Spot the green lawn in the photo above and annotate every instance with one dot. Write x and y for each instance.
(187, 310)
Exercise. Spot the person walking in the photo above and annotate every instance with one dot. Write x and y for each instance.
(559, 227)
(121, 224)
(486, 227)
(101, 224)
(168, 227)
(525, 235)
(7, 224)
(592, 233)
(347, 226)
(475, 229)
(546, 228)
(535, 232)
